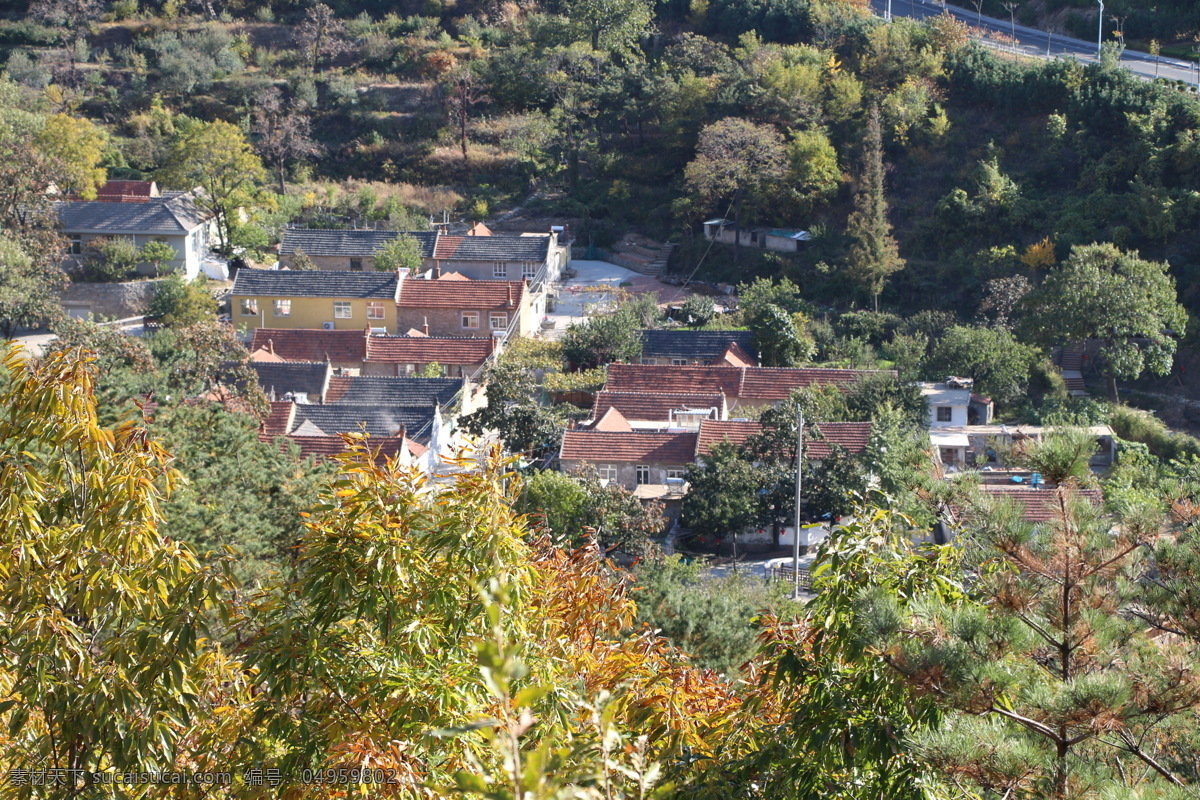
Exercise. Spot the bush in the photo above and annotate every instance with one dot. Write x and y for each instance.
(180, 302)
(111, 260)
(28, 71)
(1134, 425)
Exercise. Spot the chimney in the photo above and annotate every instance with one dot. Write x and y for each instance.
(401, 274)
(425, 326)
(271, 346)
(510, 300)
(437, 270)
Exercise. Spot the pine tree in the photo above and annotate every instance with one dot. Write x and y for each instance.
(873, 255)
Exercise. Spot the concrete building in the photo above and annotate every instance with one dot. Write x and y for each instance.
(323, 300)
(779, 240)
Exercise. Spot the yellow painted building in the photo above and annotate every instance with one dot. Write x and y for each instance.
(323, 300)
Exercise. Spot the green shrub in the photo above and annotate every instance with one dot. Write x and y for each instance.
(1135, 425)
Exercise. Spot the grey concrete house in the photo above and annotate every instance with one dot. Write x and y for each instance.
(173, 218)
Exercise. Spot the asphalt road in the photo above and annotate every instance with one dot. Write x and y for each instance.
(1033, 42)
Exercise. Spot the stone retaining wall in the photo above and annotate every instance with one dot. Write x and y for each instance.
(109, 300)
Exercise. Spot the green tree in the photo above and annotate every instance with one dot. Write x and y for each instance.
(814, 175)
(400, 252)
(723, 497)
(698, 310)
(735, 159)
(873, 254)
(612, 25)
(1124, 301)
(111, 260)
(999, 364)
(27, 288)
(104, 654)
(580, 508)
(156, 252)
(608, 338)
(780, 342)
(1053, 685)
(216, 157)
(180, 302)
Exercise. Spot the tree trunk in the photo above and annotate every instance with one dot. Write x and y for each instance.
(737, 225)
(279, 170)
(1060, 768)
(1113, 393)
(462, 129)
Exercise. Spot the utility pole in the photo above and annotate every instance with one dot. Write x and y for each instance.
(888, 16)
(1100, 33)
(796, 535)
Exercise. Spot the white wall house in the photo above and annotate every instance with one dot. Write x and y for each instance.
(173, 218)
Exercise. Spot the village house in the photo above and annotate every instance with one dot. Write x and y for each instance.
(391, 433)
(327, 300)
(780, 240)
(455, 306)
(173, 218)
(698, 348)
(657, 410)
(952, 407)
(536, 258)
(366, 353)
(743, 387)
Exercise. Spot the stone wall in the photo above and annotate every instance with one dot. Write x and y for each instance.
(109, 300)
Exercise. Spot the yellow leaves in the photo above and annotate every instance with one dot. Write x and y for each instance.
(833, 65)
(1040, 255)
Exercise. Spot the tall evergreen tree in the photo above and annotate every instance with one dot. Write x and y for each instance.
(873, 255)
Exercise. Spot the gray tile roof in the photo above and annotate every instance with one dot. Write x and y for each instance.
(167, 215)
(705, 345)
(324, 242)
(388, 391)
(297, 283)
(291, 376)
(493, 248)
(350, 417)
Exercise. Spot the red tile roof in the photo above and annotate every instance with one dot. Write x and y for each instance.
(306, 344)
(639, 447)
(818, 444)
(761, 384)
(1038, 505)
(735, 356)
(426, 350)
(852, 437)
(714, 432)
(126, 191)
(612, 420)
(652, 406)
(446, 245)
(279, 418)
(441, 293)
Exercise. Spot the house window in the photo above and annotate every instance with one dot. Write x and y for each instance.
(679, 362)
(529, 270)
(944, 414)
(498, 322)
(499, 269)
(356, 265)
(342, 309)
(470, 319)
(643, 474)
(374, 309)
(76, 245)
(249, 307)
(283, 308)
(607, 474)
(676, 474)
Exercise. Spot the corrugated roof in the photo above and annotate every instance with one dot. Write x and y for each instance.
(307, 344)
(176, 215)
(389, 391)
(639, 447)
(428, 349)
(326, 242)
(308, 283)
(652, 406)
(476, 295)
(703, 345)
